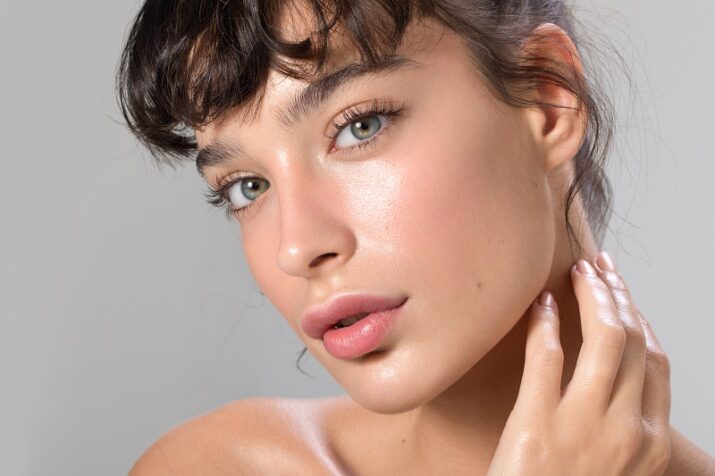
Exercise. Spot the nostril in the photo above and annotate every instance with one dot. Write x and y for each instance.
(321, 258)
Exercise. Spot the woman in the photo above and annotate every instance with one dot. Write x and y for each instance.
(414, 183)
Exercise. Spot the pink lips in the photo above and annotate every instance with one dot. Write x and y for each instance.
(358, 338)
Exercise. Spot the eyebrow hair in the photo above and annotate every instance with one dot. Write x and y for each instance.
(309, 99)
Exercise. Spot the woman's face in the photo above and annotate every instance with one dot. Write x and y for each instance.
(448, 205)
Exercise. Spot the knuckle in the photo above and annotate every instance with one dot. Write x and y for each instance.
(615, 281)
(635, 336)
(611, 334)
(660, 453)
(658, 362)
(630, 438)
(550, 354)
(529, 441)
(578, 431)
(658, 446)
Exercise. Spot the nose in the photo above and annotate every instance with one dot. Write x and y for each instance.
(316, 235)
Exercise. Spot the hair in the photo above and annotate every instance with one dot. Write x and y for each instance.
(187, 63)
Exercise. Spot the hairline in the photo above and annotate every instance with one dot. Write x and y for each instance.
(306, 101)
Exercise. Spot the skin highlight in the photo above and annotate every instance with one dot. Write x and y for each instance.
(459, 206)
(461, 199)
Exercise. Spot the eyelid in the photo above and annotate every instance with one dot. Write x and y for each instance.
(231, 178)
(219, 196)
(374, 107)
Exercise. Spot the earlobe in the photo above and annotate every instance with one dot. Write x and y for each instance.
(558, 118)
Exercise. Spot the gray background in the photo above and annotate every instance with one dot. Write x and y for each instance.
(126, 305)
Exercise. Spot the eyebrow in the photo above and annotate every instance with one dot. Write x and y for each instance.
(309, 99)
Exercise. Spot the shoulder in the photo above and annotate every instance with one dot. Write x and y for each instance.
(246, 437)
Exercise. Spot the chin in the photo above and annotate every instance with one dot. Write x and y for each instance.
(388, 403)
(389, 386)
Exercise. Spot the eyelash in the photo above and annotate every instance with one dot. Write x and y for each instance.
(376, 108)
(219, 197)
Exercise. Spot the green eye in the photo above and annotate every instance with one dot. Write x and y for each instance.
(360, 126)
(365, 128)
(361, 129)
(248, 188)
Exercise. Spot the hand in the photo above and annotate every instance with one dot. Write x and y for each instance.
(613, 417)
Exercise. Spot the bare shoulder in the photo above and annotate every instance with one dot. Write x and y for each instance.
(687, 459)
(249, 436)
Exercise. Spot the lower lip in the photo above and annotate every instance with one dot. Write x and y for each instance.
(362, 337)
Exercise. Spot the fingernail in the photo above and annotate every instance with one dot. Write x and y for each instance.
(585, 268)
(546, 299)
(605, 262)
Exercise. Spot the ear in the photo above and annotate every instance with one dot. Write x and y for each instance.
(558, 121)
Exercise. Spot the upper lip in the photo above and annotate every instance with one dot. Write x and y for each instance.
(317, 319)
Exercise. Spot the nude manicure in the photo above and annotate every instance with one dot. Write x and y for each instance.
(586, 268)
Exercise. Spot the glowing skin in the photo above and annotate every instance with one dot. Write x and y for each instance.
(458, 205)
(452, 207)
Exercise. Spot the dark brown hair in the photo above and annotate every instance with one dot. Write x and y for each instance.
(187, 62)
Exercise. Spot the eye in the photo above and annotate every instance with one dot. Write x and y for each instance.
(244, 191)
(359, 130)
(361, 125)
(237, 196)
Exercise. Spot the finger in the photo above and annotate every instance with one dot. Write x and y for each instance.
(604, 339)
(627, 394)
(544, 358)
(656, 386)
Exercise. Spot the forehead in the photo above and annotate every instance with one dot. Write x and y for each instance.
(419, 39)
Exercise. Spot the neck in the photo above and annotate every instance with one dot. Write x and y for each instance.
(462, 426)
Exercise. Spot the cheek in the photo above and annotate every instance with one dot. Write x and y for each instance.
(286, 293)
(475, 240)
(477, 231)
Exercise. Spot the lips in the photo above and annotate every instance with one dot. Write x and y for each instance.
(318, 319)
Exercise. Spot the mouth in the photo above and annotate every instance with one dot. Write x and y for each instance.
(348, 321)
(345, 310)
(360, 334)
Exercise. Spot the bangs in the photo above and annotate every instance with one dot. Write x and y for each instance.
(187, 64)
